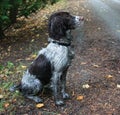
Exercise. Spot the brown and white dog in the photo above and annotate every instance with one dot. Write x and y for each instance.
(52, 62)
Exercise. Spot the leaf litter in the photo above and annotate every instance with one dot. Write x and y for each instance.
(94, 92)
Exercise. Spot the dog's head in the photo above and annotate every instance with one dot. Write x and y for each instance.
(60, 22)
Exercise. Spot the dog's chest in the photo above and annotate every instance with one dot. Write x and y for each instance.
(58, 56)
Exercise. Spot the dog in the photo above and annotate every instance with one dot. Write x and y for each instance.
(52, 62)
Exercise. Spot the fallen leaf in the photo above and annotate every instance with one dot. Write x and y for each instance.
(80, 97)
(118, 85)
(45, 44)
(39, 105)
(87, 19)
(37, 35)
(1, 96)
(4, 77)
(33, 56)
(83, 63)
(73, 93)
(86, 86)
(24, 67)
(6, 105)
(99, 28)
(33, 29)
(88, 10)
(109, 76)
(14, 100)
(95, 65)
(32, 40)
(28, 58)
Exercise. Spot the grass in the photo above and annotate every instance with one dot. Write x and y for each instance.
(7, 74)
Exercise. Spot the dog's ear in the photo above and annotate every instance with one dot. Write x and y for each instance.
(57, 28)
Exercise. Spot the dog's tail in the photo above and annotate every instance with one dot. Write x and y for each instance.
(15, 87)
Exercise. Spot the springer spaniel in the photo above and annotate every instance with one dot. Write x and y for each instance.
(51, 65)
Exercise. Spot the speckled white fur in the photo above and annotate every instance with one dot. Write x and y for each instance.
(58, 56)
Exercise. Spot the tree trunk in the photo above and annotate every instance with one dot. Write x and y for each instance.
(1, 33)
(13, 11)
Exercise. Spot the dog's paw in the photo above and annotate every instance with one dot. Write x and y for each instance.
(59, 103)
(66, 96)
(35, 98)
(38, 100)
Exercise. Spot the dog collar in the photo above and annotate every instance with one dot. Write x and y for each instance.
(61, 43)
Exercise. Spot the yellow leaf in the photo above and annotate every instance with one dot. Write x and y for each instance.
(28, 58)
(37, 35)
(109, 76)
(33, 56)
(86, 86)
(80, 97)
(32, 40)
(24, 67)
(39, 105)
(1, 96)
(95, 65)
(6, 105)
(99, 28)
(118, 85)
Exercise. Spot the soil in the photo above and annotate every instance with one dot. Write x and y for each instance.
(93, 75)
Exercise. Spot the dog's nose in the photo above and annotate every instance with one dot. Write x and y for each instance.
(81, 18)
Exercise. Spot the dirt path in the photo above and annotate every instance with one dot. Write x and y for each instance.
(108, 10)
(93, 79)
(97, 63)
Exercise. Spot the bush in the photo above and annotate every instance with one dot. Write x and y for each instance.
(11, 9)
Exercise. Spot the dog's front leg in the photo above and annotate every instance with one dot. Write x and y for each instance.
(63, 83)
(56, 88)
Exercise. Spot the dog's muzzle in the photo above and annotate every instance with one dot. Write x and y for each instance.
(79, 21)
